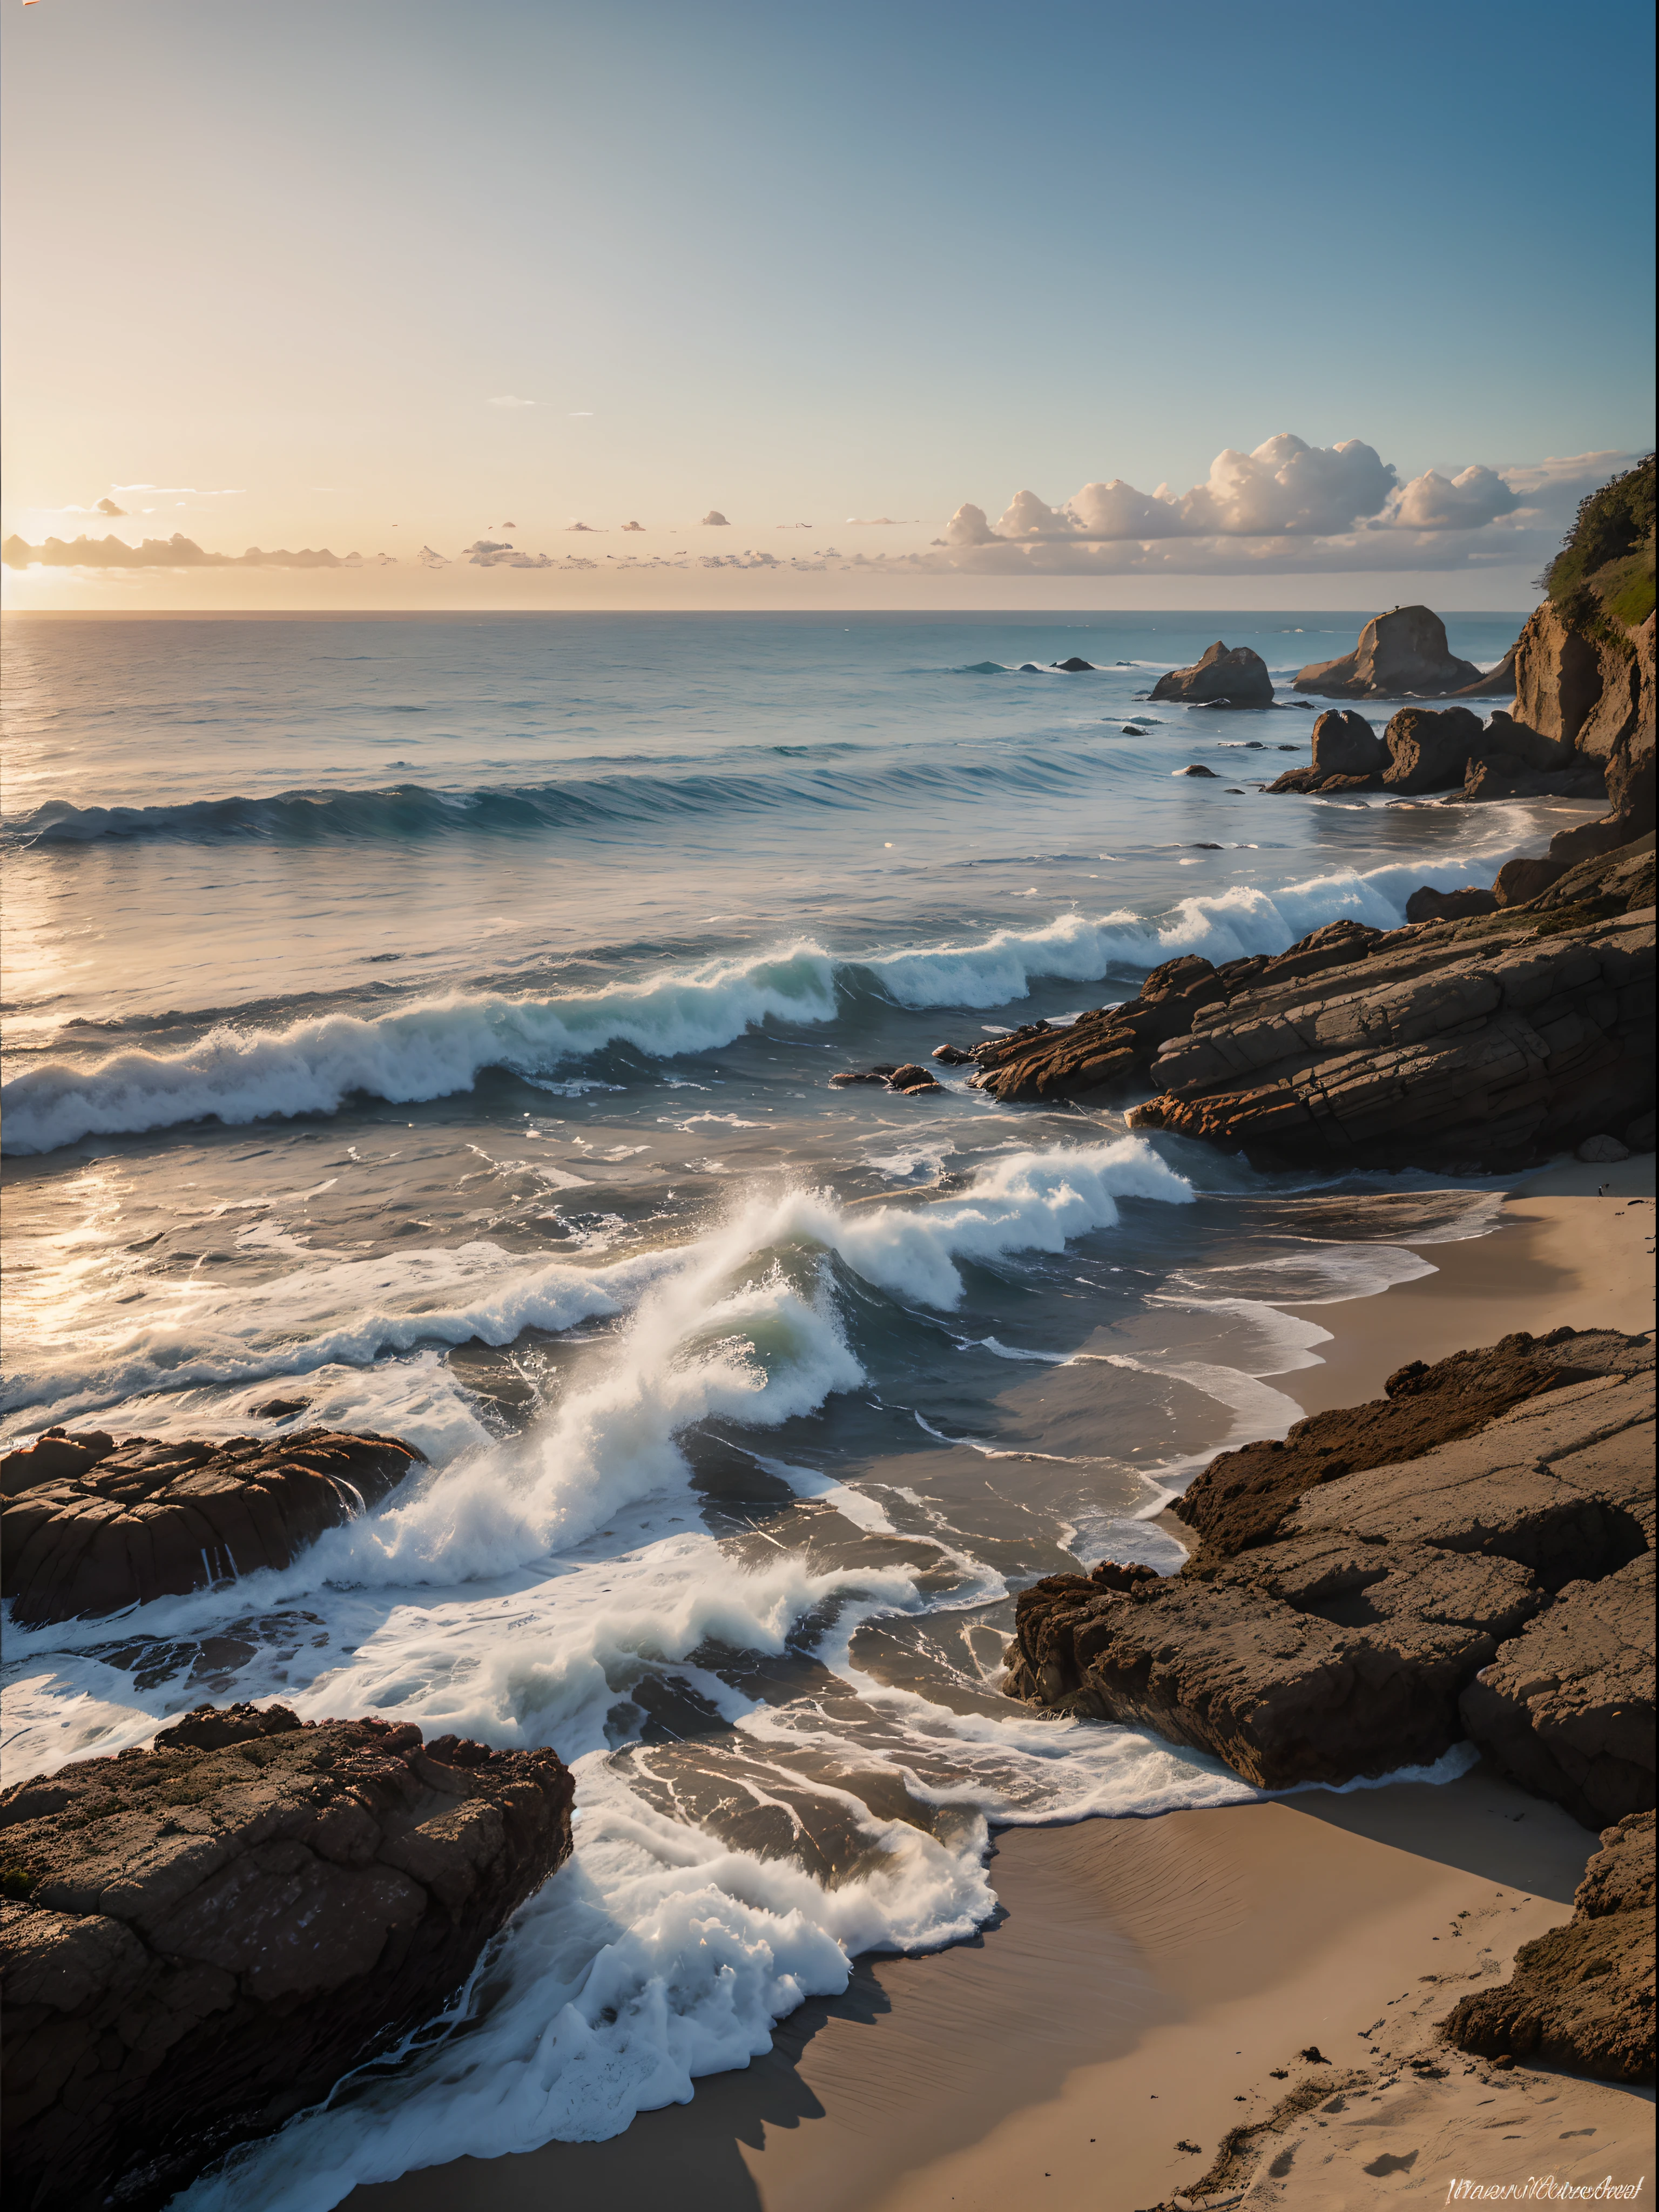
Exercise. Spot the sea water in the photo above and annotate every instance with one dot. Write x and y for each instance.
(433, 1020)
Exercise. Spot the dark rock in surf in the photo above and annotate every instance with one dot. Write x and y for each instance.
(89, 1525)
(1196, 769)
(951, 1055)
(1582, 1996)
(1075, 666)
(1233, 674)
(200, 1939)
(912, 1080)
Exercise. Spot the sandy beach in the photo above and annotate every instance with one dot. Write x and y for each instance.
(1149, 1982)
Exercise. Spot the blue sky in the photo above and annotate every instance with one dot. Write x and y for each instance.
(794, 263)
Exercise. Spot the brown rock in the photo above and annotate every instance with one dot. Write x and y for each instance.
(1428, 752)
(1581, 1997)
(1428, 904)
(208, 1935)
(1402, 654)
(1497, 684)
(912, 1077)
(1344, 744)
(146, 1518)
(1334, 1617)
(1521, 880)
(1230, 673)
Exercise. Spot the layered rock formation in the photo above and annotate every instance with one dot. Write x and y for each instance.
(1581, 1997)
(1232, 676)
(1373, 1591)
(1402, 654)
(201, 1938)
(89, 1525)
(1479, 1039)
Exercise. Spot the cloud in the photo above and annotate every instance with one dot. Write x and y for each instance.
(715, 520)
(587, 526)
(428, 559)
(737, 560)
(1464, 502)
(633, 526)
(175, 552)
(1287, 507)
(880, 521)
(182, 491)
(108, 506)
(507, 399)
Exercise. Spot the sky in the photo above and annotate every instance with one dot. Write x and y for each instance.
(896, 305)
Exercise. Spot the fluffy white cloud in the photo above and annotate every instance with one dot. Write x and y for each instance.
(1465, 501)
(1288, 507)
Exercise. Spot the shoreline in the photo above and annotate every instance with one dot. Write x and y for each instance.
(1146, 1977)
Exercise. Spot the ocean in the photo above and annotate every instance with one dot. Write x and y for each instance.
(431, 1019)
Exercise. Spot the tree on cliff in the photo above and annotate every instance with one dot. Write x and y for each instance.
(1606, 562)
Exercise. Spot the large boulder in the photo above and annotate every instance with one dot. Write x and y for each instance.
(90, 1526)
(1327, 1631)
(1232, 673)
(1497, 683)
(1428, 752)
(1581, 1997)
(1402, 654)
(1344, 744)
(203, 1938)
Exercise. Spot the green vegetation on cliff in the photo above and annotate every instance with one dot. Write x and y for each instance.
(1605, 565)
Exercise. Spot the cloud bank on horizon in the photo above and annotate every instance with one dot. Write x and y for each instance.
(1287, 506)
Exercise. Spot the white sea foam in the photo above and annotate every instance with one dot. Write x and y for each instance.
(435, 1048)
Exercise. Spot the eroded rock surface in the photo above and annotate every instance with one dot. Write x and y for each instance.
(201, 1938)
(1348, 1613)
(1402, 654)
(1230, 673)
(89, 1525)
(1581, 1997)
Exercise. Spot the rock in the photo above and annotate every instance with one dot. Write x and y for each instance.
(854, 1075)
(1428, 752)
(1233, 674)
(913, 1079)
(208, 1935)
(1521, 880)
(1596, 1149)
(1497, 684)
(1567, 1710)
(1197, 769)
(1529, 746)
(1402, 654)
(1372, 1617)
(1427, 904)
(1581, 1997)
(146, 1518)
(1454, 1049)
(951, 1057)
(1242, 1497)
(1344, 744)
(279, 1409)
(1075, 666)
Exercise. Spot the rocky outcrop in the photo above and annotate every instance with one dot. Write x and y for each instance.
(1337, 1607)
(1466, 1045)
(89, 1525)
(911, 1080)
(1459, 1042)
(201, 1938)
(1427, 904)
(1424, 750)
(1229, 675)
(1402, 654)
(1581, 1997)
(1497, 683)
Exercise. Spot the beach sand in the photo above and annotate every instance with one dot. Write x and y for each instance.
(1147, 1978)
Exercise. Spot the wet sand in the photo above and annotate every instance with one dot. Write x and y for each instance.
(1146, 1977)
